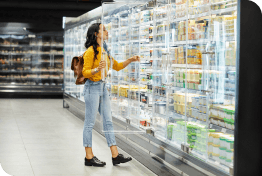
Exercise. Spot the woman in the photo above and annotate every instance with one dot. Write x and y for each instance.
(95, 90)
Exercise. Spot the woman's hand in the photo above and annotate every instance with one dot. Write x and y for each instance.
(135, 58)
(102, 64)
(131, 59)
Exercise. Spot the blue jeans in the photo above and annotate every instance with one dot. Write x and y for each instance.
(97, 99)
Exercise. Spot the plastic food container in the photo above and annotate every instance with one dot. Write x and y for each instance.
(193, 112)
(204, 109)
(215, 112)
(200, 116)
(205, 101)
(232, 115)
(227, 123)
(197, 102)
(193, 102)
(222, 159)
(210, 148)
(216, 140)
(228, 162)
(189, 127)
(197, 114)
(229, 154)
(201, 100)
(161, 107)
(200, 108)
(228, 114)
(222, 151)
(223, 142)
(223, 114)
(210, 138)
(203, 139)
(214, 121)
(215, 156)
(222, 123)
(230, 144)
(215, 149)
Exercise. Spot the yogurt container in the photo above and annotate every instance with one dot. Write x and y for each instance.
(210, 148)
(229, 154)
(222, 159)
(205, 101)
(228, 162)
(210, 138)
(201, 100)
(200, 108)
(215, 150)
(197, 114)
(204, 109)
(230, 143)
(222, 151)
(197, 102)
(200, 116)
(222, 142)
(215, 120)
(222, 123)
(194, 102)
(215, 156)
(232, 115)
(216, 139)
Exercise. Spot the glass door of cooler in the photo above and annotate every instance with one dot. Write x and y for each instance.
(82, 37)
(127, 86)
(203, 55)
(220, 78)
(196, 80)
(162, 72)
(67, 62)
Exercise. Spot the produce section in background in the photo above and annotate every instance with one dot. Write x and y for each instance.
(31, 60)
(183, 88)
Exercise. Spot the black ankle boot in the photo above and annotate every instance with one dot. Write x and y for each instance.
(121, 159)
(94, 162)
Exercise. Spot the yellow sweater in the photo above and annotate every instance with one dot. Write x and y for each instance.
(90, 63)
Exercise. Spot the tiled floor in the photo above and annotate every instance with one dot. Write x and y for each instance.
(40, 138)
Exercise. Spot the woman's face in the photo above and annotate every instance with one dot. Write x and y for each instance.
(102, 31)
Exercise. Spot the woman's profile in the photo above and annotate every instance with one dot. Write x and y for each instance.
(95, 91)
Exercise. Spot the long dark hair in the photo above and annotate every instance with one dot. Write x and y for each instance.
(91, 37)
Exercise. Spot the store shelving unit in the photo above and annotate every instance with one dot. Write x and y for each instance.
(31, 65)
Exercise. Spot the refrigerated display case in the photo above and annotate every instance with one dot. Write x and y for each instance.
(183, 90)
(31, 64)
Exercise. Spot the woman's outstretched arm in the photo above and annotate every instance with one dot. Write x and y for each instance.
(119, 66)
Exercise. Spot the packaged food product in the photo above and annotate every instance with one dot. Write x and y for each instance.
(210, 138)
(221, 123)
(223, 142)
(215, 156)
(222, 159)
(215, 150)
(216, 139)
(229, 154)
(197, 114)
(228, 162)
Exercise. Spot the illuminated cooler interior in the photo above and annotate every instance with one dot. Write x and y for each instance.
(184, 86)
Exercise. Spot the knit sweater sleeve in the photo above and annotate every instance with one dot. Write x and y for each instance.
(117, 66)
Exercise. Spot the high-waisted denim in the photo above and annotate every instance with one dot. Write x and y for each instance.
(97, 100)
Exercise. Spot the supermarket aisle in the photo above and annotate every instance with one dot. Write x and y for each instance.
(40, 138)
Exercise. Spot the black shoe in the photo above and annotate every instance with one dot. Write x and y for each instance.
(121, 159)
(94, 162)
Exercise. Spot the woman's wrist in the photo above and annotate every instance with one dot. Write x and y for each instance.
(130, 59)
